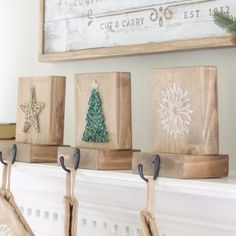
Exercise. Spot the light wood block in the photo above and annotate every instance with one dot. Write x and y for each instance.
(6, 141)
(7, 131)
(98, 159)
(115, 94)
(183, 166)
(30, 153)
(51, 92)
(185, 110)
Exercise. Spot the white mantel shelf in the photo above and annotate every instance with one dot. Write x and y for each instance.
(110, 202)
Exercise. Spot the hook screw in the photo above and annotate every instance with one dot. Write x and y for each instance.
(156, 168)
(77, 157)
(13, 155)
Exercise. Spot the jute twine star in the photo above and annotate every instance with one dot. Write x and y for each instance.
(32, 110)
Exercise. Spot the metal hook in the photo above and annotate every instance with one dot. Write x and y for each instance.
(76, 155)
(156, 168)
(13, 153)
(1, 160)
(140, 170)
(62, 161)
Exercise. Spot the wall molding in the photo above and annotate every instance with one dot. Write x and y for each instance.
(110, 202)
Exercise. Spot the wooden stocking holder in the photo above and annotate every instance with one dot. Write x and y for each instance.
(183, 166)
(30, 153)
(94, 159)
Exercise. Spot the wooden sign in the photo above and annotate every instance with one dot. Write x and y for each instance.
(103, 110)
(93, 159)
(40, 110)
(72, 29)
(30, 153)
(185, 110)
(183, 166)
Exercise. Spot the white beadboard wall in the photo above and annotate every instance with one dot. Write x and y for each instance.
(19, 22)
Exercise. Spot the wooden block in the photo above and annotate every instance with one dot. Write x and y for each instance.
(98, 159)
(10, 141)
(7, 131)
(185, 110)
(115, 95)
(49, 92)
(30, 153)
(183, 166)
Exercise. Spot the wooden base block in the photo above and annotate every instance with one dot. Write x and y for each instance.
(10, 141)
(30, 153)
(7, 131)
(183, 166)
(98, 159)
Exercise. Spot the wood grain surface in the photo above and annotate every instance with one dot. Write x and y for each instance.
(49, 90)
(30, 153)
(98, 159)
(115, 93)
(185, 110)
(183, 166)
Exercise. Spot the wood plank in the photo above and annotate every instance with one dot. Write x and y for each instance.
(151, 48)
(49, 90)
(43, 154)
(183, 166)
(91, 29)
(115, 94)
(41, 26)
(10, 141)
(7, 131)
(30, 153)
(98, 159)
(185, 110)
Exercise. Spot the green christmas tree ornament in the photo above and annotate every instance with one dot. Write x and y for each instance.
(95, 129)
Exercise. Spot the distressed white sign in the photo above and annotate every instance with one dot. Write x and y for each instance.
(71, 25)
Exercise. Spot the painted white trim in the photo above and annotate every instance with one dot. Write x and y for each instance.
(225, 187)
(110, 202)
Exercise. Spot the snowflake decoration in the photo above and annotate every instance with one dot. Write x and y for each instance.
(175, 110)
(5, 231)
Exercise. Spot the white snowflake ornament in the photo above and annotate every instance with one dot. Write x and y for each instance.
(5, 231)
(175, 110)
